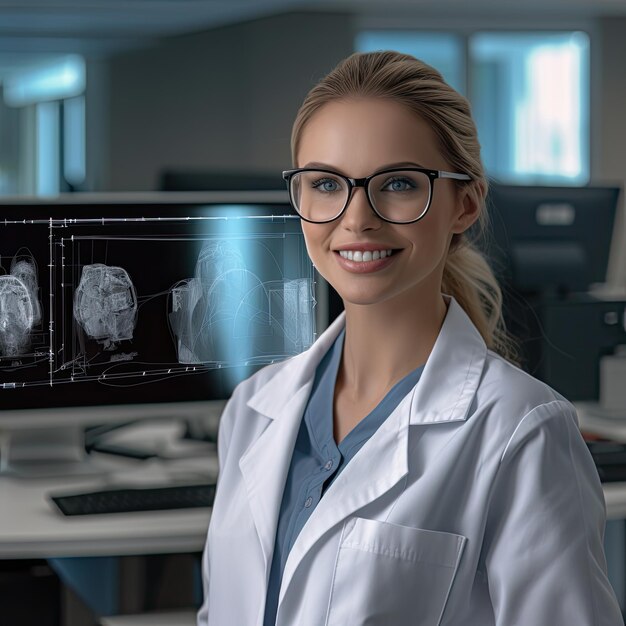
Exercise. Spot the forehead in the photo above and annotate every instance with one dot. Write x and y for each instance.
(358, 136)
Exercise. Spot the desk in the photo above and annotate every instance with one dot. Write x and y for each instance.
(610, 424)
(592, 418)
(32, 527)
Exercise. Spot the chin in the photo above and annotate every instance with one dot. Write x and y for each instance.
(363, 297)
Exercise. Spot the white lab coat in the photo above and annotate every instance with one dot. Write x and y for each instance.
(475, 503)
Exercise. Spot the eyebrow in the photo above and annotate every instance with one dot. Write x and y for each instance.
(387, 166)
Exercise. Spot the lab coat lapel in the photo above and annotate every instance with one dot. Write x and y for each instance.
(265, 464)
(264, 468)
(374, 470)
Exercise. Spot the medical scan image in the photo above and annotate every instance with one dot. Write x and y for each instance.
(227, 314)
(16, 316)
(23, 267)
(105, 304)
(20, 309)
(129, 302)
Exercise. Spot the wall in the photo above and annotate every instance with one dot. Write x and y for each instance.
(98, 123)
(9, 147)
(224, 98)
(610, 126)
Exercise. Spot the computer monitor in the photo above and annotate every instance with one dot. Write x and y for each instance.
(549, 246)
(551, 240)
(117, 308)
(220, 180)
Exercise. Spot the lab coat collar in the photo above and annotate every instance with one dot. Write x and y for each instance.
(452, 372)
(443, 394)
(272, 398)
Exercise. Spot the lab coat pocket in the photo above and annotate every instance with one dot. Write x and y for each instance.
(391, 575)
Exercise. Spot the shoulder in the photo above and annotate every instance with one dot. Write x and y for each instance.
(508, 382)
(517, 405)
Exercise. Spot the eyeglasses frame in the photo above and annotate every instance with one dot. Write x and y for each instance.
(364, 182)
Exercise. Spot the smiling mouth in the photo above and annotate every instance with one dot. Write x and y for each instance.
(359, 256)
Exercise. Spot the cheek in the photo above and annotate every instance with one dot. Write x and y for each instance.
(435, 230)
(429, 248)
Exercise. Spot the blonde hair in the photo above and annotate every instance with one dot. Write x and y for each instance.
(402, 78)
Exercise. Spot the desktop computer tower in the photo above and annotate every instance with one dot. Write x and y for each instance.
(563, 340)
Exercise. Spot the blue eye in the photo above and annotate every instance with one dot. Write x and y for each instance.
(327, 185)
(398, 184)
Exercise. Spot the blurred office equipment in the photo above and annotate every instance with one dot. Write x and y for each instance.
(220, 180)
(549, 247)
(135, 499)
(118, 308)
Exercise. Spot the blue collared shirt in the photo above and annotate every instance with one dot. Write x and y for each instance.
(317, 460)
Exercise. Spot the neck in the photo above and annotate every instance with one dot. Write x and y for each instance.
(386, 341)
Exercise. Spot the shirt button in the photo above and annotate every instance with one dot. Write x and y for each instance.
(308, 502)
(328, 465)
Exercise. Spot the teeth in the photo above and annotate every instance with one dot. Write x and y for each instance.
(360, 257)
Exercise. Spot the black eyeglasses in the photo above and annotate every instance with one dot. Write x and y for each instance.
(399, 196)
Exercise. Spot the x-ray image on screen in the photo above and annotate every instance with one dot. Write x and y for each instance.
(139, 301)
(135, 301)
(105, 304)
(20, 309)
(16, 316)
(227, 313)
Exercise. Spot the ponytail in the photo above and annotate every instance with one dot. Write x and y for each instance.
(470, 280)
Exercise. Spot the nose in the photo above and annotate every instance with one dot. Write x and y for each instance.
(359, 214)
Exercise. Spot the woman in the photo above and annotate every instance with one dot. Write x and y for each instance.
(401, 471)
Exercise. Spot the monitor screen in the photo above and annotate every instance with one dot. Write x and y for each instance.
(551, 239)
(220, 180)
(168, 298)
(549, 246)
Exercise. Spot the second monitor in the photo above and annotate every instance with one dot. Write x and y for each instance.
(549, 246)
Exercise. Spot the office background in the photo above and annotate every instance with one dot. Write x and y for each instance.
(222, 94)
(188, 86)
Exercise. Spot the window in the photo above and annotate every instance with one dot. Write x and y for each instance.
(441, 50)
(529, 94)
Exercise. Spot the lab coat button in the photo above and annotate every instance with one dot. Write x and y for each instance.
(308, 502)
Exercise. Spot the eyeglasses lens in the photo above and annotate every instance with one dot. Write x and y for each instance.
(399, 196)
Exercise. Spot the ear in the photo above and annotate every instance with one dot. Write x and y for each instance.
(470, 201)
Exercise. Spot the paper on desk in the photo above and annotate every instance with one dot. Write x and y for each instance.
(154, 472)
(164, 439)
